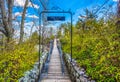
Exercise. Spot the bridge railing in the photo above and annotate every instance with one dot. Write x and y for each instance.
(77, 74)
(61, 56)
(33, 74)
(46, 63)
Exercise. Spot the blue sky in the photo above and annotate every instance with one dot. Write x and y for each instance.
(75, 6)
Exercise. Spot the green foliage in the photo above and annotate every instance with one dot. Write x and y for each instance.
(14, 62)
(34, 36)
(96, 49)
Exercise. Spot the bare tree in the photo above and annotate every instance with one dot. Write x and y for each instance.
(118, 11)
(6, 28)
(22, 22)
(118, 16)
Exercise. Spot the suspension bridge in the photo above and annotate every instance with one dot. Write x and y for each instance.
(56, 70)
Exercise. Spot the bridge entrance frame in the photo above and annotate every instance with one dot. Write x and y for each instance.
(40, 30)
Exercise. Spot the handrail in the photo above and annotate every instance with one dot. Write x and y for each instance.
(61, 57)
(50, 51)
(46, 64)
(49, 55)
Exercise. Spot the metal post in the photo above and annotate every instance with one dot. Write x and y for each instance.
(42, 31)
(118, 9)
(39, 42)
(71, 36)
(2, 43)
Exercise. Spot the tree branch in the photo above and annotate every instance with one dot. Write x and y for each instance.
(3, 32)
(4, 16)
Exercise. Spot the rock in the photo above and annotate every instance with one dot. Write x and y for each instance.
(21, 79)
(82, 69)
(83, 79)
(27, 73)
(75, 67)
(88, 81)
(86, 76)
(26, 79)
(92, 81)
(81, 73)
(32, 75)
(32, 80)
(78, 73)
(78, 80)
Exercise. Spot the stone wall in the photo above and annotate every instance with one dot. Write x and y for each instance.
(77, 74)
(33, 74)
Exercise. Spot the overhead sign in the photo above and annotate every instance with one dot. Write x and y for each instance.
(55, 18)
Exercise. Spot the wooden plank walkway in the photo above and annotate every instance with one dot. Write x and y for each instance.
(54, 71)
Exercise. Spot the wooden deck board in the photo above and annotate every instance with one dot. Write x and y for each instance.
(54, 71)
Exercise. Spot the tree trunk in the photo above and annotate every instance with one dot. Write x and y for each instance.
(7, 21)
(10, 5)
(22, 22)
(118, 11)
(118, 20)
(31, 30)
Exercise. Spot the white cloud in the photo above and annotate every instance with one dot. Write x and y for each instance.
(79, 17)
(18, 14)
(22, 2)
(34, 5)
(16, 34)
(115, 0)
(19, 2)
(16, 23)
(29, 24)
(33, 16)
(27, 30)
